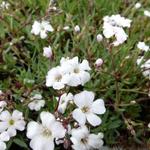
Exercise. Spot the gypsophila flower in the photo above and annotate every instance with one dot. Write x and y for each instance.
(47, 52)
(42, 135)
(98, 62)
(113, 26)
(4, 5)
(77, 28)
(36, 102)
(63, 102)
(41, 28)
(146, 69)
(56, 78)
(70, 72)
(147, 13)
(99, 37)
(83, 140)
(87, 108)
(138, 5)
(11, 123)
(143, 46)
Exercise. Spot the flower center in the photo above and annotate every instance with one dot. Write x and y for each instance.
(46, 132)
(58, 78)
(76, 70)
(11, 122)
(85, 109)
(84, 140)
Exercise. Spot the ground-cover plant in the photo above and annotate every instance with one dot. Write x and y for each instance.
(74, 74)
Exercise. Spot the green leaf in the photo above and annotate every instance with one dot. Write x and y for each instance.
(20, 143)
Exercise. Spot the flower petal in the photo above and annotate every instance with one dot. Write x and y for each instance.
(93, 119)
(98, 107)
(33, 129)
(79, 116)
(47, 118)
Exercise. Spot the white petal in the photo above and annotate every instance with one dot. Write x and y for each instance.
(33, 129)
(84, 77)
(84, 98)
(11, 131)
(47, 118)
(3, 126)
(85, 65)
(79, 116)
(43, 34)
(58, 130)
(2, 145)
(42, 143)
(98, 107)
(20, 125)
(5, 115)
(4, 136)
(16, 115)
(95, 141)
(93, 119)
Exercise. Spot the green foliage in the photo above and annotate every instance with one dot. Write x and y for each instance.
(119, 82)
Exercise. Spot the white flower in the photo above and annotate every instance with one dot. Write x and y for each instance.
(56, 78)
(36, 102)
(149, 125)
(47, 52)
(146, 69)
(3, 104)
(83, 140)
(87, 109)
(41, 28)
(99, 62)
(143, 46)
(120, 35)
(11, 123)
(70, 72)
(99, 37)
(42, 135)
(4, 5)
(4, 137)
(77, 28)
(36, 105)
(77, 71)
(138, 5)
(147, 13)
(113, 26)
(66, 28)
(63, 102)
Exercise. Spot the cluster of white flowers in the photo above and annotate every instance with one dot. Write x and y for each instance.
(51, 129)
(70, 72)
(41, 28)
(36, 102)
(113, 26)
